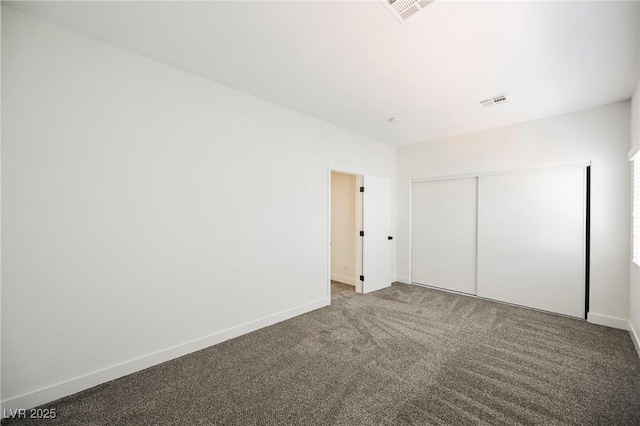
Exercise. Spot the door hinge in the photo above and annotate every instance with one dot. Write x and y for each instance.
(362, 233)
(361, 277)
(362, 189)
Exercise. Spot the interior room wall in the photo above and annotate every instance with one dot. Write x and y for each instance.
(148, 213)
(599, 134)
(343, 228)
(1, 399)
(634, 271)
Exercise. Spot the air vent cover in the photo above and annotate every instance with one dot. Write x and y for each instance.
(402, 9)
(494, 100)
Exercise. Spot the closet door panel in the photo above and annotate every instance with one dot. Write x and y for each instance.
(443, 234)
(531, 239)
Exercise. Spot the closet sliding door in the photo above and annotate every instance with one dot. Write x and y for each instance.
(443, 233)
(531, 239)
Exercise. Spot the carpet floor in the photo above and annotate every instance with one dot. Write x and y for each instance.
(402, 355)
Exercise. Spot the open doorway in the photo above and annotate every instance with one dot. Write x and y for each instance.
(346, 241)
(365, 201)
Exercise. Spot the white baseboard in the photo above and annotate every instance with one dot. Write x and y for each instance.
(402, 279)
(80, 383)
(634, 338)
(608, 321)
(343, 279)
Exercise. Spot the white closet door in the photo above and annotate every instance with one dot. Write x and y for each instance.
(531, 236)
(443, 234)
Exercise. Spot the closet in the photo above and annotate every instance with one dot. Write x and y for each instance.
(517, 237)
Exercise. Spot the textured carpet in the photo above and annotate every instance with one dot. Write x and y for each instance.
(403, 355)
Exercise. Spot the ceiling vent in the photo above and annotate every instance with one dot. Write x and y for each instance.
(495, 100)
(403, 9)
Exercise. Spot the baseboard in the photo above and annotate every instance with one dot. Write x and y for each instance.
(634, 337)
(77, 384)
(608, 321)
(402, 279)
(343, 279)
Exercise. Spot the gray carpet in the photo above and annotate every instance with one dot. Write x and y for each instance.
(403, 355)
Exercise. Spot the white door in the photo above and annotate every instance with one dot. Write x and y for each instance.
(376, 223)
(443, 233)
(531, 239)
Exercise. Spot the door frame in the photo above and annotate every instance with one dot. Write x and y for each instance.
(358, 214)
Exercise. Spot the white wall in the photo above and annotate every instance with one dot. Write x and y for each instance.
(600, 135)
(1, 406)
(343, 228)
(634, 271)
(148, 212)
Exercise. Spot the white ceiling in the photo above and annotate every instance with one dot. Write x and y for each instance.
(355, 65)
